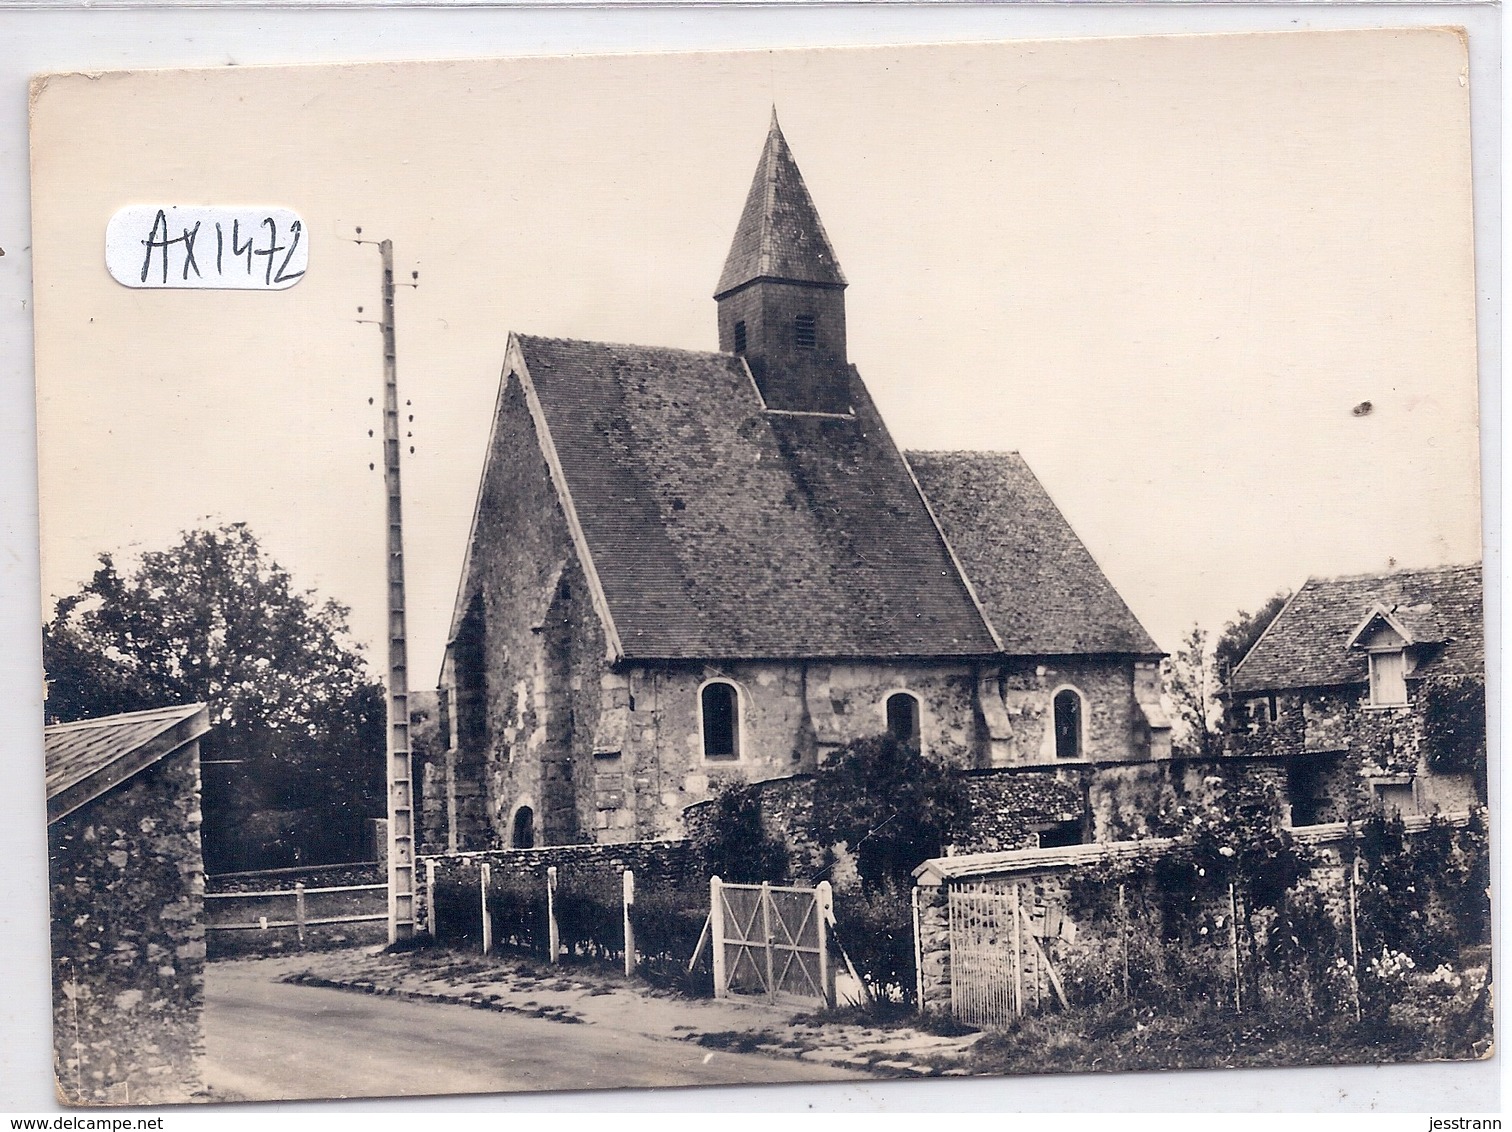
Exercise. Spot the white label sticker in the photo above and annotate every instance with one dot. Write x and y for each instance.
(246, 249)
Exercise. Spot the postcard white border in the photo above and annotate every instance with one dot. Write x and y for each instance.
(53, 38)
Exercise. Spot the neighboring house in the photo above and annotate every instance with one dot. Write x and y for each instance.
(127, 903)
(1358, 687)
(691, 566)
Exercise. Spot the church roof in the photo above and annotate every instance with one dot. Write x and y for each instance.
(1040, 587)
(716, 528)
(1308, 644)
(780, 235)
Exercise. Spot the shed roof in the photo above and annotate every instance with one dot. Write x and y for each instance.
(91, 756)
(1308, 644)
(718, 528)
(1039, 585)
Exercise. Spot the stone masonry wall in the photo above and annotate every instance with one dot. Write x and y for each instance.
(1111, 718)
(528, 670)
(128, 940)
(657, 865)
(1048, 885)
(1335, 745)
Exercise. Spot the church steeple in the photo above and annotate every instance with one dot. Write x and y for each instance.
(781, 295)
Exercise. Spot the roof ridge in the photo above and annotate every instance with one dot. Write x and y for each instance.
(1397, 572)
(623, 345)
(964, 452)
(118, 717)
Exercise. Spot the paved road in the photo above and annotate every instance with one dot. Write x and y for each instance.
(267, 1040)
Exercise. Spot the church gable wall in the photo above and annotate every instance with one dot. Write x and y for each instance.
(527, 671)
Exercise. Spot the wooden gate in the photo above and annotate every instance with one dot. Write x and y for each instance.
(998, 967)
(771, 940)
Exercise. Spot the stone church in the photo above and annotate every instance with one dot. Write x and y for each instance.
(690, 566)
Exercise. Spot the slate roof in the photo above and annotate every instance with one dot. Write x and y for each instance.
(719, 529)
(1307, 644)
(1040, 587)
(779, 235)
(87, 758)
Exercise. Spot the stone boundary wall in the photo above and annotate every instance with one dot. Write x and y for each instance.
(1006, 806)
(1045, 876)
(657, 865)
(312, 876)
(128, 940)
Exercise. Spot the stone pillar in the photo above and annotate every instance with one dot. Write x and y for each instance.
(934, 947)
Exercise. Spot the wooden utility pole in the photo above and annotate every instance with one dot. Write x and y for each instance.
(401, 816)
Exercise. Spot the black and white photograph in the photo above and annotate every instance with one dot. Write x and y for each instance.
(733, 568)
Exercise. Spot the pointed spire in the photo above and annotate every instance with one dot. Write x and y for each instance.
(780, 235)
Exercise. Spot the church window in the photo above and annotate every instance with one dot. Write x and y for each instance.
(903, 718)
(719, 719)
(1388, 679)
(804, 332)
(740, 337)
(522, 829)
(1068, 724)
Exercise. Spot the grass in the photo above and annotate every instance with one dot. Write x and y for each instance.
(888, 1016)
(1116, 1037)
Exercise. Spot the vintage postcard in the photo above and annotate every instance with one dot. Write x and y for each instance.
(622, 571)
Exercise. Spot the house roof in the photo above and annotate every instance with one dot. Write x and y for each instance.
(716, 528)
(1308, 644)
(1041, 589)
(779, 235)
(87, 758)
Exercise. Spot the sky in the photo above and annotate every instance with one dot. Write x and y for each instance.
(1169, 271)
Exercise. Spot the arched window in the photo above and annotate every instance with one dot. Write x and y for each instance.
(719, 716)
(903, 718)
(805, 332)
(740, 337)
(1068, 724)
(522, 831)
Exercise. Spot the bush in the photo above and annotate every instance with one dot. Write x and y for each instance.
(518, 909)
(668, 924)
(458, 915)
(734, 844)
(1454, 726)
(876, 931)
(590, 918)
(890, 805)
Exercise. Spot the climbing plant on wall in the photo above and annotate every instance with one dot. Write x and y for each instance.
(1454, 724)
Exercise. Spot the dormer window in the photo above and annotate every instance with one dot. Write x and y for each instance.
(1388, 678)
(1386, 636)
(740, 337)
(805, 334)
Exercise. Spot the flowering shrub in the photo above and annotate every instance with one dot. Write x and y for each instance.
(1391, 966)
(1443, 975)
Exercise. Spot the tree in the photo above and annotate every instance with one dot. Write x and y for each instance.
(892, 807)
(1198, 674)
(735, 844)
(1192, 687)
(294, 757)
(1240, 635)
